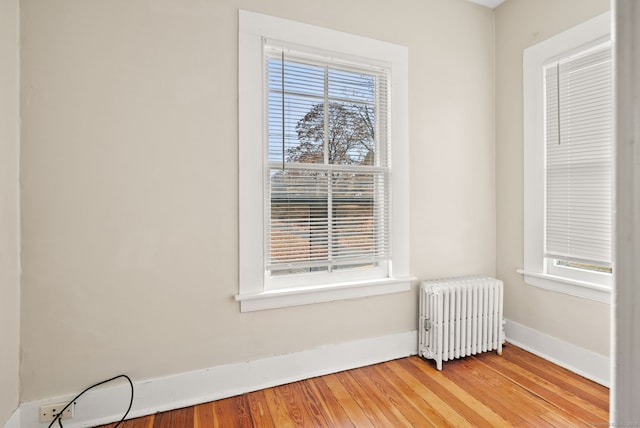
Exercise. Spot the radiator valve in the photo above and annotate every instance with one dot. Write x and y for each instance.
(427, 324)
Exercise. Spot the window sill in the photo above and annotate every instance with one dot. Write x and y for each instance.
(306, 295)
(586, 290)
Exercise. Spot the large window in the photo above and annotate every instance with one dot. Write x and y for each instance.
(569, 161)
(327, 175)
(323, 164)
(578, 159)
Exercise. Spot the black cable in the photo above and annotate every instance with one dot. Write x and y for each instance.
(59, 415)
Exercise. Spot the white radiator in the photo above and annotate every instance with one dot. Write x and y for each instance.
(460, 317)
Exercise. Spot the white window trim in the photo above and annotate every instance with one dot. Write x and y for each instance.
(596, 286)
(253, 29)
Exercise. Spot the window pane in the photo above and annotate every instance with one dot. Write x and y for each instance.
(359, 208)
(303, 97)
(351, 118)
(298, 231)
(300, 78)
(299, 136)
(304, 144)
(351, 134)
(350, 86)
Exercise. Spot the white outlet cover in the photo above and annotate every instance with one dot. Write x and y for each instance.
(49, 412)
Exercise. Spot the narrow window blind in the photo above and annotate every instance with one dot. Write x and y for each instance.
(579, 157)
(327, 194)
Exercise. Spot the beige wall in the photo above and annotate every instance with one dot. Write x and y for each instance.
(129, 175)
(518, 25)
(9, 210)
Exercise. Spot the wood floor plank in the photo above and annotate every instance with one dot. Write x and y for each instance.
(514, 406)
(415, 393)
(148, 423)
(472, 409)
(203, 416)
(331, 406)
(558, 420)
(372, 410)
(536, 422)
(577, 385)
(176, 418)
(524, 402)
(143, 422)
(486, 390)
(310, 403)
(351, 407)
(389, 393)
(259, 410)
(382, 397)
(279, 411)
(551, 393)
(231, 412)
(292, 404)
(437, 411)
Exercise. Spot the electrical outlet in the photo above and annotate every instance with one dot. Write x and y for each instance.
(49, 412)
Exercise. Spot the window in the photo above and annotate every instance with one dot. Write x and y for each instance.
(323, 164)
(578, 157)
(568, 108)
(327, 181)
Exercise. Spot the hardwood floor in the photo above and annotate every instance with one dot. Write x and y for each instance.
(487, 390)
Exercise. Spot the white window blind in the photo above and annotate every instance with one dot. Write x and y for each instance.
(327, 184)
(579, 158)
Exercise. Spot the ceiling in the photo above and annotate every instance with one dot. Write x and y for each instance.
(488, 3)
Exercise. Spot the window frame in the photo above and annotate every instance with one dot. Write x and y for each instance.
(254, 29)
(539, 271)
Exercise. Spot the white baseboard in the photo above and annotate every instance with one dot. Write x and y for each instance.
(14, 420)
(186, 389)
(582, 361)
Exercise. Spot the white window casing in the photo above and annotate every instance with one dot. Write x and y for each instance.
(273, 182)
(568, 160)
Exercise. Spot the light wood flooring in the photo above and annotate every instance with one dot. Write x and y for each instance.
(487, 390)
